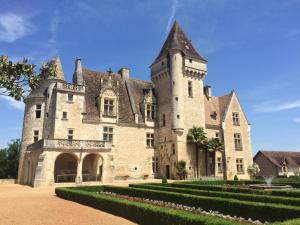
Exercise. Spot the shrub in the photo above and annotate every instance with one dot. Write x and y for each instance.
(235, 178)
(226, 195)
(164, 180)
(255, 210)
(141, 213)
(283, 193)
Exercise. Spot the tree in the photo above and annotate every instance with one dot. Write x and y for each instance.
(196, 136)
(9, 160)
(213, 145)
(253, 170)
(181, 170)
(17, 79)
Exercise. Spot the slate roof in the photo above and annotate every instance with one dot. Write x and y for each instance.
(278, 157)
(177, 39)
(216, 106)
(93, 88)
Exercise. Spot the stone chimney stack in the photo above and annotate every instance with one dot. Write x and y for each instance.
(124, 72)
(207, 92)
(78, 76)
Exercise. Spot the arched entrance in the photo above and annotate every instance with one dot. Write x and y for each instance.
(92, 168)
(65, 169)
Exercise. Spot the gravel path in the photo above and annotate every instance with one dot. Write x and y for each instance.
(39, 206)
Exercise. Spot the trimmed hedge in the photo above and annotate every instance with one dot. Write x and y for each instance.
(141, 213)
(239, 196)
(294, 182)
(284, 193)
(288, 222)
(255, 210)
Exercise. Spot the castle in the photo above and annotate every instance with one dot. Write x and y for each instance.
(105, 126)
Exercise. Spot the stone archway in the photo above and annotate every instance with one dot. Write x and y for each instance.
(65, 169)
(92, 168)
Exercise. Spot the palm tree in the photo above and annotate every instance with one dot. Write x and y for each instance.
(212, 146)
(196, 136)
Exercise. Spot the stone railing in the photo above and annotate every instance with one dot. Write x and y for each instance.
(69, 87)
(70, 144)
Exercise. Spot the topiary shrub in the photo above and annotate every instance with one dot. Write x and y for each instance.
(164, 180)
(235, 178)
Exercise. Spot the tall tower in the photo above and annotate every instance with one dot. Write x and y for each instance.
(178, 72)
(36, 123)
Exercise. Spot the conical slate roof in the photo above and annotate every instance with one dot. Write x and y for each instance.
(59, 73)
(177, 39)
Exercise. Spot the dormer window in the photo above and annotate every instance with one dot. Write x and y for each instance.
(150, 111)
(108, 107)
(213, 115)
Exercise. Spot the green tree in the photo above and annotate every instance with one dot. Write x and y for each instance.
(3, 161)
(181, 169)
(9, 160)
(17, 79)
(197, 136)
(213, 145)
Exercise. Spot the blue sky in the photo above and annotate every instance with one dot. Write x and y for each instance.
(251, 46)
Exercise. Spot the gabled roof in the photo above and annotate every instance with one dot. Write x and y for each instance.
(217, 105)
(93, 88)
(177, 39)
(292, 159)
(228, 104)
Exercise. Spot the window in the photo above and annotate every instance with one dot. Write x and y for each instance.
(70, 134)
(240, 165)
(235, 118)
(70, 97)
(35, 135)
(38, 111)
(219, 164)
(238, 142)
(65, 115)
(108, 134)
(178, 116)
(173, 149)
(105, 82)
(150, 110)
(218, 135)
(108, 107)
(155, 167)
(150, 139)
(190, 60)
(164, 120)
(190, 89)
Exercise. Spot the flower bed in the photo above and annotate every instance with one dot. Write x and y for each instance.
(255, 210)
(141, 213)
(239, 196)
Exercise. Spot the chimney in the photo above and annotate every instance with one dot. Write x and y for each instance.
(124, 72)
(207, 92)
(77, 76)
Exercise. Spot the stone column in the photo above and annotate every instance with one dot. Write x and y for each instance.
(78, 179)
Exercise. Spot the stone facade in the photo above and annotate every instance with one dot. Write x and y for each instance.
(105, 126)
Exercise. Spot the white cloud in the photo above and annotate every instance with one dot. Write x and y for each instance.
(269, 107)
(14, 27)
(297, 119)
(19, 105)
(171, 18)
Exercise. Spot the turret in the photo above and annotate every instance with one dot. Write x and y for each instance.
(78, 76)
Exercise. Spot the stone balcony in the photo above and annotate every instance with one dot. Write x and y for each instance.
(63, 86)
(75, 145)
